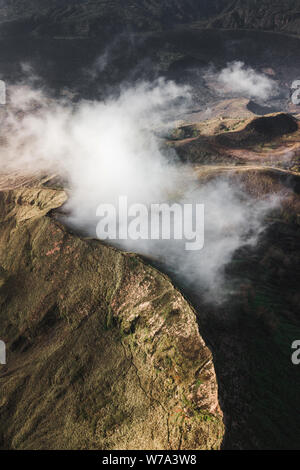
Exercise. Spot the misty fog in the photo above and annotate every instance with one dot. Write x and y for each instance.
(106, 149)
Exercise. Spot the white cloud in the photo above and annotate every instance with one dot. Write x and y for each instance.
(107, 149)
(244, 81)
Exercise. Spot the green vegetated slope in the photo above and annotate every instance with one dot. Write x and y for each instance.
(103, 351)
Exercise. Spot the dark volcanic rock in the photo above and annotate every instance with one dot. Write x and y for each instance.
(90, 18)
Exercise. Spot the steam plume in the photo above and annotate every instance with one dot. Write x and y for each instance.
(242, 80)
(112, 148)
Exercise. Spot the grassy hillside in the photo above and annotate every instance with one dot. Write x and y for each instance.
(103, 352)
